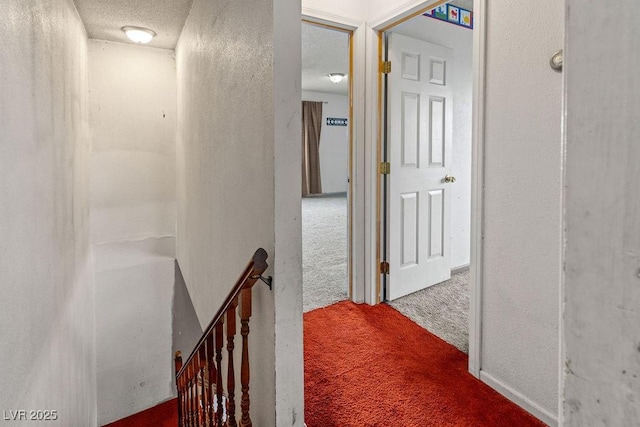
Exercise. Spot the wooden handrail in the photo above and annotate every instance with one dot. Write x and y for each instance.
(199, 380)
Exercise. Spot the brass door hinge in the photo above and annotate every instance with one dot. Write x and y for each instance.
(384, 267)
(385, 67)
(385, 168)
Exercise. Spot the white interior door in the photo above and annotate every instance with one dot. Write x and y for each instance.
(419, 102)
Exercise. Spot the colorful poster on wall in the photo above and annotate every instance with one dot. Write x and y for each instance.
(466, 18)
(440, 12)
(453, 14)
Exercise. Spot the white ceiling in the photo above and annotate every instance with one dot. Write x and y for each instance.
(465, 4)
(324, 51)
(104, 19)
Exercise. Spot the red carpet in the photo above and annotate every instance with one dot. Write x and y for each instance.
(162, 415)
(371, 366)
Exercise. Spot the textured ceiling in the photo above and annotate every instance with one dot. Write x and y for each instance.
(104, 19)
(465, 4)
(324, 51)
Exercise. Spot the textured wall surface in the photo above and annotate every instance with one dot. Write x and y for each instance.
(46, 308)
(356, 10)
(522, 200)
(334, 142)
(132, 119)
(461, 41)
(601, 321)
(134, 338)
(225, 168)
(238, 175)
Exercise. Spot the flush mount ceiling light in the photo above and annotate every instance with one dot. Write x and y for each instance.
(139, 34)
(336, 77)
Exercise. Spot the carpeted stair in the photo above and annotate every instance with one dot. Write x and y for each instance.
(162, 415)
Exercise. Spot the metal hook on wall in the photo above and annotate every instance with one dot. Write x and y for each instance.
(267, 280)
(557, 61)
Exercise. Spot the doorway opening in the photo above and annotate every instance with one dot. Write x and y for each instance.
(326, 156)
(427, 143)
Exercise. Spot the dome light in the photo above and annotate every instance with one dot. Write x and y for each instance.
(336, 77)
(138, 34)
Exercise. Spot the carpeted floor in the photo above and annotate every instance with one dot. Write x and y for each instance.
(162, 415)
(324, 250)
(372, 366)
(442, 309)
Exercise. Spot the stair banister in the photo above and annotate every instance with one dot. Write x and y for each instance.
(199, 380)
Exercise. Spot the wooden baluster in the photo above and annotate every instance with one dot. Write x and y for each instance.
(194, 394)
(203, 388)
(178, 365)
(245, 314)
(212, 370)
(189, 392)
(198, 390)
(189, 397)
(183, 382)
(219, 387)
(206, 396)
(183, 404)
(231, 379)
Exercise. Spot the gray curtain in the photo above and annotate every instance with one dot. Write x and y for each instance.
(311, 127)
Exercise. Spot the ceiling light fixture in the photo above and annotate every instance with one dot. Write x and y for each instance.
(138, 34)
(336, 77)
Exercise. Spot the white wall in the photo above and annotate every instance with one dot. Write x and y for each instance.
(522, 214)
(46, 308)
(461, 41)
(601, 360)
(354, 9)
(238, 151)
(334, 142)
(133, 104)
(522, 210)
(132, 119)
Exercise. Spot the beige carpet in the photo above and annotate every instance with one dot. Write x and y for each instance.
(324, 251)
(442, 309)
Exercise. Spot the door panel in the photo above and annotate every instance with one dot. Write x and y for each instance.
(419, 103)
(409, 229)
(436, 223)
(436, 136)
(410, 129)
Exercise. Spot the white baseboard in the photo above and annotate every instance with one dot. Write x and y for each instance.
(519, 399)
(460, 269)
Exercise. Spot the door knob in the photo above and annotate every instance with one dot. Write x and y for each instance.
(449, 179)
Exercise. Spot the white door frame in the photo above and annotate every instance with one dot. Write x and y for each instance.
(477, 164)
(355, 255)
(367, 154)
